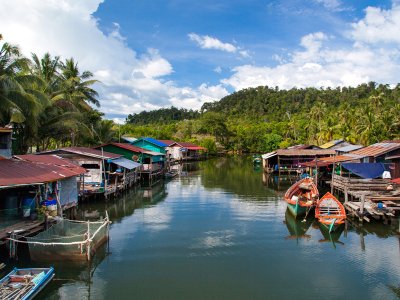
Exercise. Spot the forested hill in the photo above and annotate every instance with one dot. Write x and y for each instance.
(274, 104)
(162, 116)
(263, 119)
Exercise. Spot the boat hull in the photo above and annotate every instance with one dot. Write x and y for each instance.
(329, 226)
(297, 210)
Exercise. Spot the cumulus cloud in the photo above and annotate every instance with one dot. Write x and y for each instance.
(130, 82)
(208, 42)
(372, 54)
(378, 26)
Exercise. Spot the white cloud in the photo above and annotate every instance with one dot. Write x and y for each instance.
(130, 82)
(334, 5)
(208, 42)
(378, 26)
(372, 54)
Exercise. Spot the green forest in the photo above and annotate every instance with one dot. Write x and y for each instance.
(50, 104)
(263, 119)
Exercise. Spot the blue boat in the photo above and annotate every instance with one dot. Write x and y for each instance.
(25, 283)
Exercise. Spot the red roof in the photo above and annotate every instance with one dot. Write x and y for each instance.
(187, 145)
(168, 142)
(326, 161)
(396, 180)
(19, 172)
(51, 160)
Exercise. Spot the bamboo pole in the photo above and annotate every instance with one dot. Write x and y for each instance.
(88, 241)
(333, 174)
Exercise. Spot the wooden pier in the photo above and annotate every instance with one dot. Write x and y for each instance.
(368, 199)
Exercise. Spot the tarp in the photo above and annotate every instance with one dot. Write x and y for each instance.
(366, 170)
(126, 163)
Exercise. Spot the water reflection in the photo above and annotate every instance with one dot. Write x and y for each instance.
(297, 228)
(331, 237)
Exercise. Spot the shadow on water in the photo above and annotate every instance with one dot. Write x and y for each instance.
(296, 227)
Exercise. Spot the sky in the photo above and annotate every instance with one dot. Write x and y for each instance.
(149, 54)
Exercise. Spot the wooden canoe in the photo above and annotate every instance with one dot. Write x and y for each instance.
(25, 283)
(330, 212)
(301, 196)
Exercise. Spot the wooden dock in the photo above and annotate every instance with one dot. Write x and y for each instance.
(368, 199)
(25, 228)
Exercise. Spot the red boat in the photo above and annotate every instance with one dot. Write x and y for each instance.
(330, 212)
(301, 196)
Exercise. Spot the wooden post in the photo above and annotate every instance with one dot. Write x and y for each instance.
(88, 242)
(346, 195)
(316, 170)
(279, 166)
(333, 174)
(362, 204)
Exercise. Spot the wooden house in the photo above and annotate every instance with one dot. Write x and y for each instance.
(292, 160)
(150, 144)
(150, 162)
(181, 151)
(26, 185)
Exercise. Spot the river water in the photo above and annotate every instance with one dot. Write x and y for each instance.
(221, 231)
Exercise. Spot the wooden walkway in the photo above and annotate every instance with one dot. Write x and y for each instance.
(25, 228)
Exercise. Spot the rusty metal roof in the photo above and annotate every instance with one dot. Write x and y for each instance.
(15, 172)
(52, 160)
(168, 142)
(188, 145)
(304, 152)
(377, 149)
(326, 161)
(85, 152)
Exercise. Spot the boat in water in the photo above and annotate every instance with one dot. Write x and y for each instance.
(330, 212)
(25, 283)
(171, 174)
(302, 196)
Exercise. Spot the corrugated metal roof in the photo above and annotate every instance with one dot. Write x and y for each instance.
(85, 152)
(330, 144)
(126, 163)
(153, 141)
(129, 139)
(188, 145)
(168, 142)
(349, 148)
(51, 160)
(301, 146)
(19, 172)
(268, 155)
(132, 148)
(326, 161)
(377, 149)
(304, 152)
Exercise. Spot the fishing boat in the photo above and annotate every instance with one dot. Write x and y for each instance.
(170, 174)
(256, 160)
(301, 196)
(330, 212)
(25, 283)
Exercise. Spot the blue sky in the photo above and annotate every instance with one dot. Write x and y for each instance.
(152, 54)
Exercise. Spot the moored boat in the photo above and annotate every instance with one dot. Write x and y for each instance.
(170, 174)
(301, 196)
(330, 212)
(25, 283)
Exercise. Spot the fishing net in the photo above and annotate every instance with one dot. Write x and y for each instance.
(68, 240)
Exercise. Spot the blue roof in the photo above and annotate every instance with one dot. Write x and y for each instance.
(155, 142)
(349, 148)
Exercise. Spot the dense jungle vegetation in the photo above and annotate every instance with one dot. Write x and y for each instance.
(263, 119)
(46, 100)
(49, 103)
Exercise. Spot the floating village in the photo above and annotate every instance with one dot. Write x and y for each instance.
(40, 193)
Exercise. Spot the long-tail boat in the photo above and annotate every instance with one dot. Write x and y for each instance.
(330, 212)
(301, 196)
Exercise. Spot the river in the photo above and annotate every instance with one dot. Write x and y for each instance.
(220, 231)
